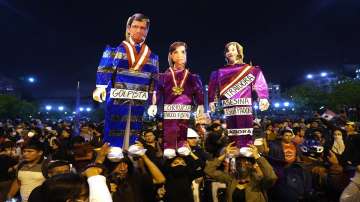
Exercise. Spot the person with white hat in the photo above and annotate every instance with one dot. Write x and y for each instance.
(195, 149)
(250, 176)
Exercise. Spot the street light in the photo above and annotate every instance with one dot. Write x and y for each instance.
(286, 104)
(31, 80)
(48, 107)
(309, 76)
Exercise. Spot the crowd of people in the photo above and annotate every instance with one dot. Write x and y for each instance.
(289, 160)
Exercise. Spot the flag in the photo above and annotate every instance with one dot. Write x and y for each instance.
(328, 115)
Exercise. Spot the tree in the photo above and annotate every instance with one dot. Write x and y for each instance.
(307, 96)
(12, 107)
(345, 94)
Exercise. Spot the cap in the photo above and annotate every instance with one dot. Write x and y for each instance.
(191, 133)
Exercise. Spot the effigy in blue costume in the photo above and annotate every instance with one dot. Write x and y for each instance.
(127, 81)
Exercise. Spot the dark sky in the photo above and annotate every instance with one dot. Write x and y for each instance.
(61, 42)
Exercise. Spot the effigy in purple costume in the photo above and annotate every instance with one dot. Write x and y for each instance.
(232, 86)
(180, 90)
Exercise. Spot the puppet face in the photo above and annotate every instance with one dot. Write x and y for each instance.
(138, 31)
(178, 56)
(232, 54)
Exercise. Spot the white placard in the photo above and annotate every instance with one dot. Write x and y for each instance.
(240, 131)
(177, 108)
(176, 115)
(234, 111)
(235, 102)
(128, 94)
(239, 86)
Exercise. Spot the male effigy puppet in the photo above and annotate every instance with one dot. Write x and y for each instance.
(232, 86)
(127, 81)
(180, 92)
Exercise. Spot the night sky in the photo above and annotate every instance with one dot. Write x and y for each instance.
(61, 42)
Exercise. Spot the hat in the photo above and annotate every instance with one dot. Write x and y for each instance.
(34, 144)
(246, 152)
(311, 147)
(136, 150)
(191, 133)
(115, 154)
(213, 126)
(350, 123)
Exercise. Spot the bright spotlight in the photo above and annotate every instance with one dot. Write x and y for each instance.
(276, 105)
(61, 108)
(309, 76)
(81, 109)
(286, 104)
(31, 79)
(88, 109)
(323, 74)
(48, 107)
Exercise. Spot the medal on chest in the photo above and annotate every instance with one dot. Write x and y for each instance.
(178, 89)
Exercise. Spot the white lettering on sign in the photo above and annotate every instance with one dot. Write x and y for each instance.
(177, 107)
(240, 131)
(128, 94)
(235, 102)
(233, 111)
(176, 115)
(239, 86)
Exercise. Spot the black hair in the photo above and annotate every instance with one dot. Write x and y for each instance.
(53, 164)
(139, 17)
(63, 187)
(77, 140)
(296, 130)
(285, 131)
(34, 144)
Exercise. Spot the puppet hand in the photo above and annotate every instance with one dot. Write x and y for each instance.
(212, 106)
(99, 94)
(200, 111)
(152, 110)
(263, 104)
